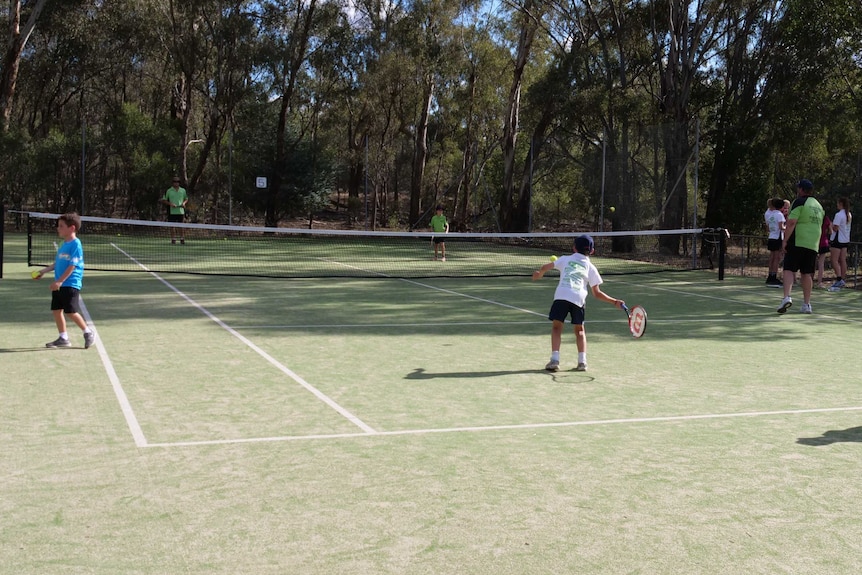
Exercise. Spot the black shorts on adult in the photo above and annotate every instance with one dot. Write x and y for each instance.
(178, 218)
(561, 309)
(773, 245)
(800, 260)
(66, 299)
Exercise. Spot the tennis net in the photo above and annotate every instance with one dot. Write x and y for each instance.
(135, 245)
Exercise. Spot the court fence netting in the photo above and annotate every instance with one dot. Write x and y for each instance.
(163, 247)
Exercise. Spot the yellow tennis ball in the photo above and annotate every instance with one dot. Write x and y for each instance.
(34, 274)
(553, 258)
(613, 209)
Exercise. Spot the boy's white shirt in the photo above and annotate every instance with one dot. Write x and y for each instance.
(577, 275)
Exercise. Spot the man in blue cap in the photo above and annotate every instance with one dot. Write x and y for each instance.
(801, 244)
(577, 273)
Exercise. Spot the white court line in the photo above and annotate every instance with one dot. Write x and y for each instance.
(596, 422)
(742, 302)
(125, 406)
(444, 290)
(389, 325)
(316, 392)
(498, 323)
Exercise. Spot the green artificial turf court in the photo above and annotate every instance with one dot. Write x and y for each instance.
(317, 426)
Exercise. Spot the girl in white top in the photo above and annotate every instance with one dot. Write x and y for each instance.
(839, 242)
(774, 219)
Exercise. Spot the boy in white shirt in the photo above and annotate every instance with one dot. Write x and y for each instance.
(577, 273)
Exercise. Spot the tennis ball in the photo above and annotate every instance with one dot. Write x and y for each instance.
(34, 274)
(613, 209)
(553, 258)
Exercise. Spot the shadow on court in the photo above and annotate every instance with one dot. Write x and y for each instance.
(420, 373)
(850, 435)
(26, 349)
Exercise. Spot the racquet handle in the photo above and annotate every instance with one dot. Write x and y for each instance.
(625, 308)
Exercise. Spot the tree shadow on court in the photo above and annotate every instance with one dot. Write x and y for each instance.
(850, 435)
(420, 373)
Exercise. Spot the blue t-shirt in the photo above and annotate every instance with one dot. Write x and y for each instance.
(71, 253)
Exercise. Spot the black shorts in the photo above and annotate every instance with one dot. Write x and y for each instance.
(823, 250)
(178, 218)
(836, 245)
(561, 308)
(800, 260)
(66, 299)
(773, 245)
(438, 240)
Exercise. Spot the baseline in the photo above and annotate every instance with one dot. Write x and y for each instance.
(596, 422)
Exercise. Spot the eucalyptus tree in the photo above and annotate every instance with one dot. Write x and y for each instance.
(293, 30)
(739, 83)
(684, 35)
(16, 41)
(601, 62)
(475, 105)
(526, 22)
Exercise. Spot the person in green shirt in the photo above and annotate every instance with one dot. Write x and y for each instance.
(176, 199)
(801, 244)
(439, 225)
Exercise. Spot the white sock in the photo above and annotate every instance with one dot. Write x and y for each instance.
(555, 356)
(64, 335)
(582, 357)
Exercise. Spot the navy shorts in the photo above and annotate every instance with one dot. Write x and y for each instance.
(800, 260)
(66, 299)
(561, 308)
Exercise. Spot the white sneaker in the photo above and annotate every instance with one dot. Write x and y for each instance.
(581, 367)
(785, 303)
(553, 365)
(806, 308)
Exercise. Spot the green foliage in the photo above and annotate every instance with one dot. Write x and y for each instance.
(775, 86)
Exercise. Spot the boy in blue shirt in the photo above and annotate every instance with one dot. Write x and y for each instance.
(68, 268)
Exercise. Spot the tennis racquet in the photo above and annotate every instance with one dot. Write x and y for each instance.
(637, 319)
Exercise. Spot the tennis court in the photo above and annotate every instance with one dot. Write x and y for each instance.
(356, 425)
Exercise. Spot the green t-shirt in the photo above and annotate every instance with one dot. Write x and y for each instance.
(176, 196)
(808, 214)
(438, 223)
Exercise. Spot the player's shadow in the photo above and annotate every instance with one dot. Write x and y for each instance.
(420, 373)
(850, 435)
(26, 349)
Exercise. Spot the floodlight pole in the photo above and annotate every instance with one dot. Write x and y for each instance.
(83, 164)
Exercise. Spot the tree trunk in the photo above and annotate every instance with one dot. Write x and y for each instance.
(15, 44)
(513, 108)
(420, 152)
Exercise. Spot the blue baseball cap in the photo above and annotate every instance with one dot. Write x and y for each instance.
(584, 244)
(805, 185)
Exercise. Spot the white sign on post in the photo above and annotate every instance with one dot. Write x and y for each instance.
(261, 182)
